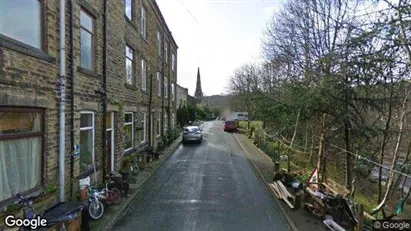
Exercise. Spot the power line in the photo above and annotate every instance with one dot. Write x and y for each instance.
(192, 15)
(346, 151)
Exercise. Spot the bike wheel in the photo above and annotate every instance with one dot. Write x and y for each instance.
(117, 194)
(96, 210)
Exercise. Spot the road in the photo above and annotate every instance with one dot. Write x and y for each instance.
(210, 186)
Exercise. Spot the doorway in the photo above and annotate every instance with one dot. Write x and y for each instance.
(110, 141)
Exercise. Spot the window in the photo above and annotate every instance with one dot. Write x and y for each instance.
(143, 74)
(144, 125)
(129, 65)
(172, 91)
(159, 84)
(86, 140)
(173, 60)
(165, 52)
(22, 20)
(158, 43)
(87, 43)
(129, 9)
(128, 130)
(165, 122)
(21, 141)
(143, 23)
(181, 103)
(165, 87)
(159, 125)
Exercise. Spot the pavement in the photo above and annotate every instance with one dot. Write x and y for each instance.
(264, 166)
(114, 212)
(210, 186)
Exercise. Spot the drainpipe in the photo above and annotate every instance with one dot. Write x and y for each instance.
(72, 96)
(105, 91)
(162, 99)
(149, 111)
(62, 100)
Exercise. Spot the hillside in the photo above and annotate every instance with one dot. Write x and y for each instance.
(219, 101)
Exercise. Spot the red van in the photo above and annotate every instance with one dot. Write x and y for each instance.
(230, 126)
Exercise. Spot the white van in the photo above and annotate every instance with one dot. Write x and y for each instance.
(240, 116)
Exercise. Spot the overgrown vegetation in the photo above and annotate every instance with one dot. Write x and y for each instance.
(193, 112)
(333, 94)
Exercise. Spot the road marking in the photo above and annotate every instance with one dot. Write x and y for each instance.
(290, 221)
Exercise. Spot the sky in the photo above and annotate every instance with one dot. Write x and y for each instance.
(217, 36)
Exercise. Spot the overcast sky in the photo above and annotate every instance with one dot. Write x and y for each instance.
(217, 36)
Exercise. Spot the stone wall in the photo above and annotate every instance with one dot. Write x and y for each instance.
(29, 77)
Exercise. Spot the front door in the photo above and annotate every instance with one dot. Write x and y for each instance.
(110, 142)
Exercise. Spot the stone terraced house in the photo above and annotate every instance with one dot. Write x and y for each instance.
(116, 54)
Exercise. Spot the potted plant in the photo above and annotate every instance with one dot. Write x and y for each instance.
(149, 151)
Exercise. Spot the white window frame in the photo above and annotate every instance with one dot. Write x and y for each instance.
(144, 120)
(159, 84)
(132, 65)
(159, 124)
(92, 32)
(165, 87)
(93, 158)
(172, 91)
(143, 23)
(132, 129)
(112, 139)
(165, 51)
(132, 10)
(143, 75)
(173, 60)
(159, 48)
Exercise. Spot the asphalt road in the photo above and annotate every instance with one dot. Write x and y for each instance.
(210, 186)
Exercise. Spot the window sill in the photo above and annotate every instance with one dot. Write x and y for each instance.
(143, 142)
(23, 48)
(144, 38)
(144, 91)
(33, 192)
(87, 72)
(129, 151)
(129, 86)
(131, 22)
(88, 172)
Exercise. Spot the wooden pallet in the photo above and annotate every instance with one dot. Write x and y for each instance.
(282, 193)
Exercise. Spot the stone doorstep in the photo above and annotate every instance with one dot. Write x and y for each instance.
(113, 212)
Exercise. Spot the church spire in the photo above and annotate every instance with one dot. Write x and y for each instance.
(198, 93)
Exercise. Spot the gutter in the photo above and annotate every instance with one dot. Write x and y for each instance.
(62, 109)
(72, 95)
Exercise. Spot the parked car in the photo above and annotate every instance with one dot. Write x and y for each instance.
(230, 126)
(192, 134)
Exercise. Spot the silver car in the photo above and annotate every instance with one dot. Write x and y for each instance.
(193, 134)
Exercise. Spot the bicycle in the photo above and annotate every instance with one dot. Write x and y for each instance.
(52, 215)
(94, 205)
(111, 193)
